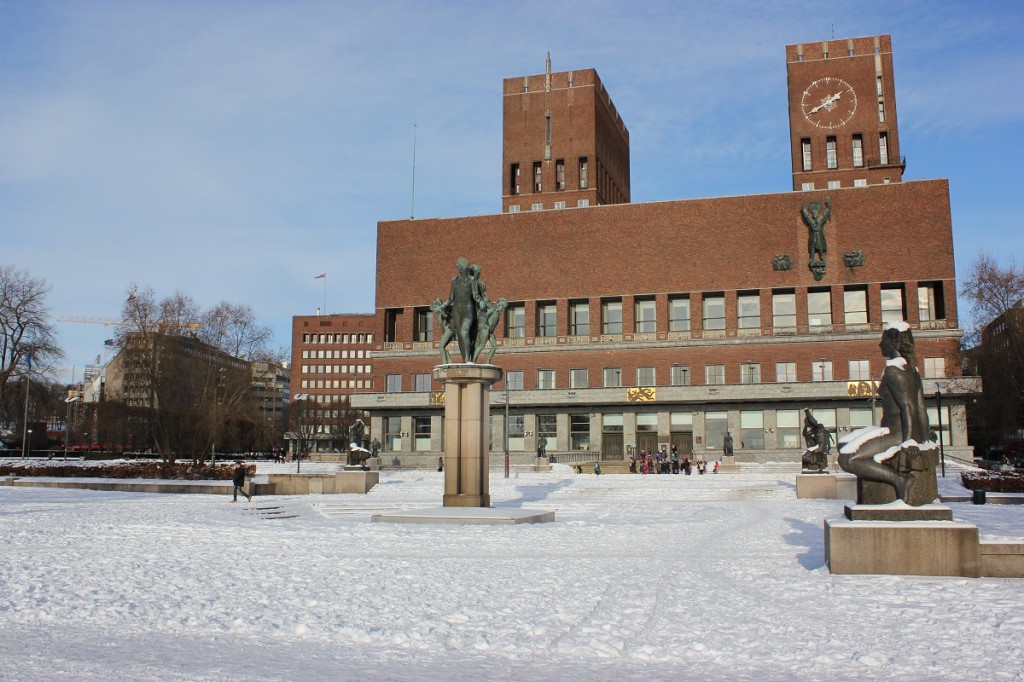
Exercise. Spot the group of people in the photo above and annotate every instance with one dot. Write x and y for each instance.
(662, 462)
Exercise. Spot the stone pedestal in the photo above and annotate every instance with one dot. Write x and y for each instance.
(902, 547)
(826, 486)
(728, 464)
(467, 389)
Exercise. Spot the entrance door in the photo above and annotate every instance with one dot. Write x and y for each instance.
(647, 442)
(684, 443)
(611, 446)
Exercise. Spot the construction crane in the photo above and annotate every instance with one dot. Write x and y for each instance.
(112, 322)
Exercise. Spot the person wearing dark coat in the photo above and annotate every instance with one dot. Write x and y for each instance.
(239, 480)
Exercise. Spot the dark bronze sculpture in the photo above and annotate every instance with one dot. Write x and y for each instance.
(542, 445)
(727, 444)
(819, 444)
(468, 315)
(815, 215)
(899, 453)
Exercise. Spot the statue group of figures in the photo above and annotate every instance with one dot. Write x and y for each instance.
(898, 455)
(357, 453)
(819, 444)
(468, 316)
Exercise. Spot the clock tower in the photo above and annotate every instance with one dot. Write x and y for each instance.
(842, 114)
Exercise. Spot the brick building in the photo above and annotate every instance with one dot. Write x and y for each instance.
(330, 361)
(636, 326)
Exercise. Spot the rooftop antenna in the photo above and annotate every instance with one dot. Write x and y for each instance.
(547, 73)
(412, 208)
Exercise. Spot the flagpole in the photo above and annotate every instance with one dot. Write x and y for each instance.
(325, 294)
(24, 427)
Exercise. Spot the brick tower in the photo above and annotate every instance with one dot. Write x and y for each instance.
(842, 114)
(564, 144)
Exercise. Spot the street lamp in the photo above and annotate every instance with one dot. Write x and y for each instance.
(506, 425)
(301, 398)
(938, 407)
(67, 424)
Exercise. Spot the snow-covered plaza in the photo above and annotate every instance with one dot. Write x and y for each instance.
(669, 577)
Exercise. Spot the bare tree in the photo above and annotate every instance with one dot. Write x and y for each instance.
(28, 343)
(233, 329)
(996, 296)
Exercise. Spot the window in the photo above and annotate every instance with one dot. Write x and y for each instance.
(930, 306)
(806, 186)
(855, 306)
(644, 317)
(858, 151)
(516, 432)
(679, 314)
(391, 316)
(881, 113)
(715, 426)
(612, 423)
(584, 182)
(392, 434)
(933, 424)
(831, 160)
(579, 378)
(645, 376)
(559, 204)
(860, 182)
(805, 150)
(424, 321)
(750, 373)
(647, 422)
(537, 176)
(714, 311)
(892, 304)
(560, 175)
(748, 311)
(547, 427)
(883, 149)
(714, 374)
(611, 317)
(513, 175)
(785, 372)
(546, 316)
(752, 429)
(833, 184)
(860, 370)
(422, 382)
(545, 378)
(515, 321)
(860, 417)
(783, 310)
(787, 428)
(680, 422)
(821, 370)
(537, 207)
(514, 208)
(612, 377)
(421, 434)
(934, 368)
(579, 431)
(514, 379)
(819, 308)
(393, 383)
(680, 375)
(579, 318)
(878, 86)
(583, 203)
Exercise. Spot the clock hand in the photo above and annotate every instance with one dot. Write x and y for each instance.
(826, 102)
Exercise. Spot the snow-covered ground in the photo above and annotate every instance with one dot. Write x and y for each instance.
(717, 577)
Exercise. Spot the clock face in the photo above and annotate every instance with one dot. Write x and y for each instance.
(829, 102)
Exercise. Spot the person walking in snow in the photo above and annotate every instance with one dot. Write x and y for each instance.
(239, 480)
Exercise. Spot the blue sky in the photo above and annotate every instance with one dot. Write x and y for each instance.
(234, 149)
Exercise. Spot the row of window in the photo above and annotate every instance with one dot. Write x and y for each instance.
(856, 149)
(537, 182)
(786, 433)
(836, 184)
(337, 338)
(930, 307)
(679, 375)
(337, 369)
(334, 354)
(337, 383)
(539, 206)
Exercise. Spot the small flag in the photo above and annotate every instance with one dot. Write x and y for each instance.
(322, 275)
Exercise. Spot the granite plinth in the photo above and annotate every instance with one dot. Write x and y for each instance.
(826, 486)
(947, 548)
(898, 511)
(468, 516)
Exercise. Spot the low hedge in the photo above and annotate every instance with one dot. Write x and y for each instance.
(994, 481)
(182, 471)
